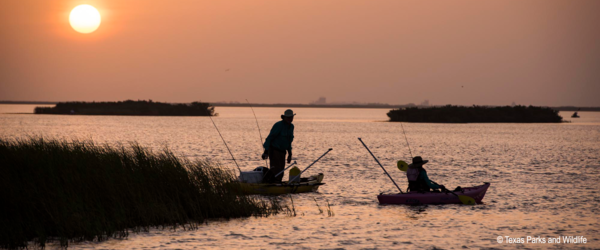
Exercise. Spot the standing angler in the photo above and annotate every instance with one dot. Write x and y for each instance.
(277, 143)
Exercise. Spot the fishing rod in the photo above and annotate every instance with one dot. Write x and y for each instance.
(298, 176)
(380, 164)
(238, 166)
(259, 134)
(406, 140)
(285, 169)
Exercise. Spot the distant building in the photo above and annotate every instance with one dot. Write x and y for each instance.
(321, 100)
(425, 103)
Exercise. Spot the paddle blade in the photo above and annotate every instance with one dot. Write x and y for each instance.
(466, 200)
(403, 166)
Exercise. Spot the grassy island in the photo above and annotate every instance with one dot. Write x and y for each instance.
(475, 114)
(129, 107)
(70, 191)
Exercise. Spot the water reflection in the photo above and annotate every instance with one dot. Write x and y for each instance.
(543, 177)
(416, 212)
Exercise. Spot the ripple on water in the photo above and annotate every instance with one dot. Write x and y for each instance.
(543, 177)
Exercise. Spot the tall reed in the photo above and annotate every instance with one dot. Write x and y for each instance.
(76, 190)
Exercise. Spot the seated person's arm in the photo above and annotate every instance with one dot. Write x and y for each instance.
(428, 181)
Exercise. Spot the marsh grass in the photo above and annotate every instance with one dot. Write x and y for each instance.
(291, 211)
(69, 191)
(318, 207)
(330, 212)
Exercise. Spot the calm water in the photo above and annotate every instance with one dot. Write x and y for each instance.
(545, 177)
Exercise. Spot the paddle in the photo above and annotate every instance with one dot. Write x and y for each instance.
(463, 198)
(403, 166)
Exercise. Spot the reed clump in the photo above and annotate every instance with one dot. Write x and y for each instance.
(475, 114)
(69, 191)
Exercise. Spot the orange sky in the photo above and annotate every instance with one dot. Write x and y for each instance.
(544, 52)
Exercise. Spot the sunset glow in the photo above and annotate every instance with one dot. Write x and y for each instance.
(84, 18)
(440, 52)
(267, 124)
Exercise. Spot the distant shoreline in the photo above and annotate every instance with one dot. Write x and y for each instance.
(298, 105)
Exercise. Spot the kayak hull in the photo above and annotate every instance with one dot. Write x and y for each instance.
(416, 198)
(310, 184)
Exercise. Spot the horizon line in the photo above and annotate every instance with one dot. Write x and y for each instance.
(324, 105)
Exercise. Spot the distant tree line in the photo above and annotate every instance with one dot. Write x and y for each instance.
(129, 107)
(475, 114)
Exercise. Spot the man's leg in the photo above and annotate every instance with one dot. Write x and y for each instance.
(277, 164)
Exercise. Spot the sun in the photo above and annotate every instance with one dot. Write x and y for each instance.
(84, 18)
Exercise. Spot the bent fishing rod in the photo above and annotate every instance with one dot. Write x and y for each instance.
(238, 166)
(380, 164)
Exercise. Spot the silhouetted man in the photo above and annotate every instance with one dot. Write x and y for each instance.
(277, 143)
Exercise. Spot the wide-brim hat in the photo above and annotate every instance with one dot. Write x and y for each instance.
(288, 113)
(417, 162)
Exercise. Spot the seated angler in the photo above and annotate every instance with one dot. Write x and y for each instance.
(418, 181)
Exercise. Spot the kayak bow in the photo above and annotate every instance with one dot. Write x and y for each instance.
(418, 198)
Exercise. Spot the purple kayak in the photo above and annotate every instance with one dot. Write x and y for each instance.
(416, 198)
